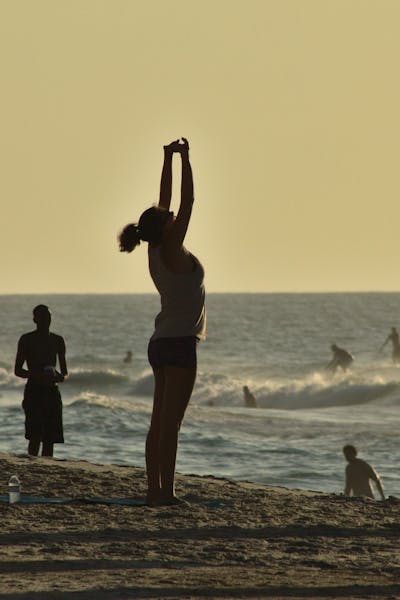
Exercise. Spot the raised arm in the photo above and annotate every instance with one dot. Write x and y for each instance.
(181, 223)
(166, 175)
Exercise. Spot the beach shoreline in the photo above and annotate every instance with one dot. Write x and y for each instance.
(230, 540)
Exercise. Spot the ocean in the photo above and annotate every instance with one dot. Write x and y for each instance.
(276, 344)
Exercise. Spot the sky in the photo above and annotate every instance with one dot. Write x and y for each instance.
(291, 108)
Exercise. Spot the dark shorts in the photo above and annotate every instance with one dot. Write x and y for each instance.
(173, 352)
(43, 413)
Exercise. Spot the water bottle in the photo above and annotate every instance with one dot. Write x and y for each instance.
(14, 489)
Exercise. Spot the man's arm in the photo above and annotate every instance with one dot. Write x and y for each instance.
(348, 486)
(62, 362)
(20, 359)
(375, 477)
(389, 337)
(332, 364)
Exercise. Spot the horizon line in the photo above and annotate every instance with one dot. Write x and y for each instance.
(208, 293)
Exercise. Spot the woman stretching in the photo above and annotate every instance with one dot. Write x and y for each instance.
(178, 277)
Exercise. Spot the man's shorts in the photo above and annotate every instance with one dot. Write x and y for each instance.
(173, 352)
(43, 413)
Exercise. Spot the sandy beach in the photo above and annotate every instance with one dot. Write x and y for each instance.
(231, 539)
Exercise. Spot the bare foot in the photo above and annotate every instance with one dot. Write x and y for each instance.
(172, 501)
(152, 499)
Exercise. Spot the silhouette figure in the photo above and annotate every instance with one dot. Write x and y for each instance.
(128, 357)
(178, 277)
(359, 476)
(341, 358)
(248, 397)
(40, 349)
(394, 338)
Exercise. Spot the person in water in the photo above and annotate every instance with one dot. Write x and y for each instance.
(42, 404)
(249, 399)
(341, 358)
(394, 338)
(128, 357)
(359, 476)
(179, 278)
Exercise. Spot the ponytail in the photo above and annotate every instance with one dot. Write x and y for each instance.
(149, 229)
(129, 238)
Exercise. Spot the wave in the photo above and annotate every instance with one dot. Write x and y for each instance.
(324, 395)
(8, 381)
(95, 405)
(144, 385)
(96, 378)
(89, 399)
(315, 390)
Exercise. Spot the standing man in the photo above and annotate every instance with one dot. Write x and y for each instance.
(359, 476)
(42, 404)
(394, 338)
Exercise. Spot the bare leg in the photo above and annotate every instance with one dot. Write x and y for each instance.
(153, 441)
(178, 387)
(47, 449)
(33, 446)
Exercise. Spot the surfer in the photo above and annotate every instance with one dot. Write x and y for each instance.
(249, 398)
(40, 349)
(178, 276)
(359, 475)
(394, 338)
(341, 358)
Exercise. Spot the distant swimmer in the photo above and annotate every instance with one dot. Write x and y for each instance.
(341, 358)
(394, 338)
(40, 350)
(249, 399)
(128, 357)
(359, 476)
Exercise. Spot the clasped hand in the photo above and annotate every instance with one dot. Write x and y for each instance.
(178, 146)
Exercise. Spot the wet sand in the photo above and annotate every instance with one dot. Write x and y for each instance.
(232, 539)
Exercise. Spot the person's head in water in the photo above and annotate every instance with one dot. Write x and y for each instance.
(42, 316)
(334, 347)
(350, 452)
(150, 228)
(128, 356)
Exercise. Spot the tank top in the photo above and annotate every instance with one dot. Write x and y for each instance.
(182, 299)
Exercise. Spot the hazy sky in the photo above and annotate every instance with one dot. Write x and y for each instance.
(292, 111)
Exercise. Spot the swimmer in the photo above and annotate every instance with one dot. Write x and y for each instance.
(359, 476)
(249, 399)
(128, 357)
